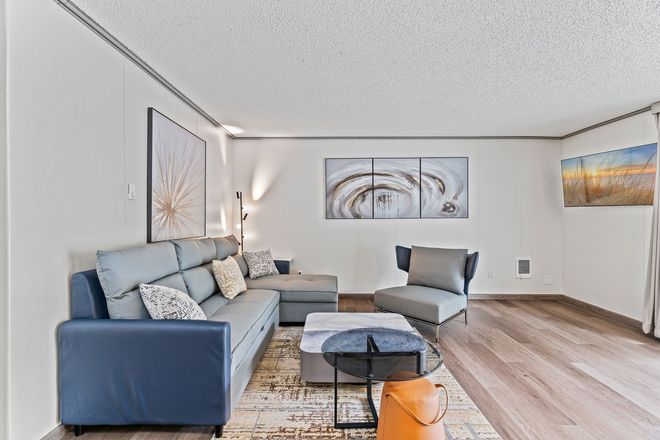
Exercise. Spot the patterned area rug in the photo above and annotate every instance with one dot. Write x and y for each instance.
(277, 404)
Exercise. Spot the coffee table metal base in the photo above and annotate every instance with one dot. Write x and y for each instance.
(357, 425)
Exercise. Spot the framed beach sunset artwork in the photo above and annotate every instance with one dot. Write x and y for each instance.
(614, 178)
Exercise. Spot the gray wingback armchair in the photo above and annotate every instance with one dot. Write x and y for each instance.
(423, 299)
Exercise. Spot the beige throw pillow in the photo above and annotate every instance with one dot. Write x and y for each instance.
(229, 277)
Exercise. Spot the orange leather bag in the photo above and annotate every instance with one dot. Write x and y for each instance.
(411, 410)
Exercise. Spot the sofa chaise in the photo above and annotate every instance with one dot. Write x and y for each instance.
(119, 367)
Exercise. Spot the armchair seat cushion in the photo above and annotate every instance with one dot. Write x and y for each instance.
(425, 303)
(299, 288)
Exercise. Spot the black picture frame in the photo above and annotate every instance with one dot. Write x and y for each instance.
(150, 151)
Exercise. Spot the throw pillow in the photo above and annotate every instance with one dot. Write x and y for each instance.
(439, 268)
(229, 277)
(260, 263)
(167, 303)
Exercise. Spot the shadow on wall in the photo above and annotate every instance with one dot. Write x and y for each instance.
(217, 214)
(267, 169)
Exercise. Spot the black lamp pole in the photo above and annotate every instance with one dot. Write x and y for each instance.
(239, 196)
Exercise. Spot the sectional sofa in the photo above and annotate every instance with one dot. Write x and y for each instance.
(119, 367)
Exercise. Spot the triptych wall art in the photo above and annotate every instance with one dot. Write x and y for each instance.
(176, 180)
(402, 187)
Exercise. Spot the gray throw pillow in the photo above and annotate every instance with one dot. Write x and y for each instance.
(167, 303)
(260, 263)
(439, 268)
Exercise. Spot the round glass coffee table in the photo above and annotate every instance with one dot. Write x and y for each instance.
(378, 354)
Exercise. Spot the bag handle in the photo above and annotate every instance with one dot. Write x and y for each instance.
(412, 415)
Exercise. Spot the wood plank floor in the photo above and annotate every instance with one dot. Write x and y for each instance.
(536, 369)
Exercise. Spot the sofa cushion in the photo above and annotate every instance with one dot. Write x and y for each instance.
(225, 246)
(241, 264)
(120, 272)
(167, 303)
(213, 304)
(200, 282)
(247, 314)
(440, 268)
(425, 303)
(298, 288)
(194, 252)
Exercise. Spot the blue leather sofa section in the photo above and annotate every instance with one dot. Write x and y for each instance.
(143, 371)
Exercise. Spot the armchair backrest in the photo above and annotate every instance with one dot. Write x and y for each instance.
(403, 263)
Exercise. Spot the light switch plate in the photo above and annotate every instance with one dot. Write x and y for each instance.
(547, 279)
(131, 191)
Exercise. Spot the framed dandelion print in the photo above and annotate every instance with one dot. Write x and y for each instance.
(176, 180)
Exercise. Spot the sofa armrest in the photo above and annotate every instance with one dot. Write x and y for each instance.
(123, 372)
(283, 266)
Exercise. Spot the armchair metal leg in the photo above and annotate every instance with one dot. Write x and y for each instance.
(218, 431)
(466, 316)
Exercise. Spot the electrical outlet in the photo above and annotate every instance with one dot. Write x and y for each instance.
(491, 275)
(547, 280)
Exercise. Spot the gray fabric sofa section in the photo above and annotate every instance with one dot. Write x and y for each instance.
(247, 314)
(298, 288)
(300, 294)
(120, 272)
(425, 303)
(186, 266)
(296, 312)
(194, 258)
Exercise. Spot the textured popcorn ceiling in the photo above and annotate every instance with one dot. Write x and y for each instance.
(391, 68)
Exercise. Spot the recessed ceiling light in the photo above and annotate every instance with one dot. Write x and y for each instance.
(233, 129)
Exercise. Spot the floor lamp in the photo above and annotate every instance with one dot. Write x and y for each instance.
(239, 196)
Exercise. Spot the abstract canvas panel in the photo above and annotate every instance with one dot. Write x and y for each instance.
(444, 187)
(176, 179)
(396, 188)
(613, 178)
(348, 188)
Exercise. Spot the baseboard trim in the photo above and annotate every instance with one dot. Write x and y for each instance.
(515, 296)
(604, 313)
(56, 433)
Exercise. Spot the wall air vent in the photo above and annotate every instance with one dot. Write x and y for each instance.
(523, 267)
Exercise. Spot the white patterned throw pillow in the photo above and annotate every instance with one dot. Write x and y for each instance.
(260, 263)
(229, 277)
(167, 303)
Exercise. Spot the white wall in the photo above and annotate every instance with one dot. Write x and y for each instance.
(515, 210)
(77, 135)
(606, 248)
(3, 226)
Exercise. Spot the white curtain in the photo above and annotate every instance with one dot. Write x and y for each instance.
(651, 313)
